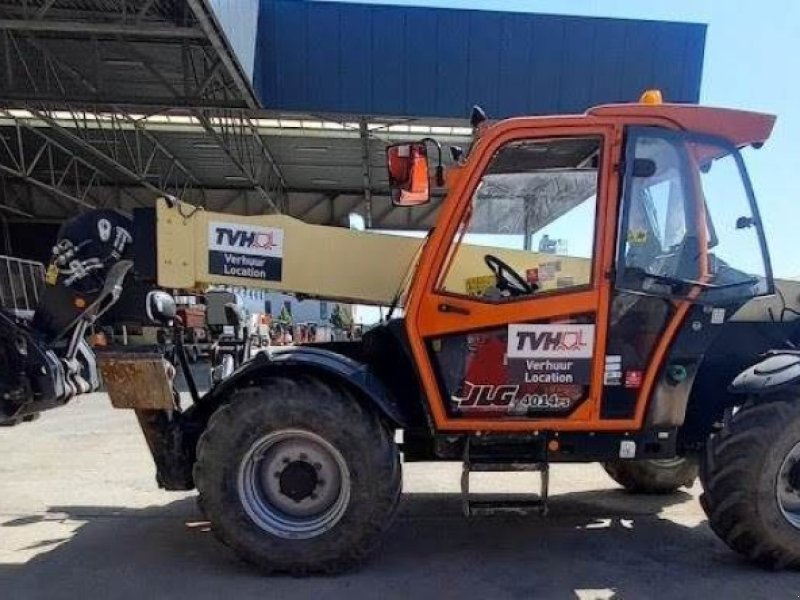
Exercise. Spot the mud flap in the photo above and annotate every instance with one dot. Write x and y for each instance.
(779, 370)
(143, 382)
(164, 436)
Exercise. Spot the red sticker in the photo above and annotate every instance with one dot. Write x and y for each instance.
(633, 379)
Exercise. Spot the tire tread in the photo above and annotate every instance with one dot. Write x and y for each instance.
(730, 477)
(284, 397)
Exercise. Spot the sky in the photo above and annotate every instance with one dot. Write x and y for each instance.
(752, 61)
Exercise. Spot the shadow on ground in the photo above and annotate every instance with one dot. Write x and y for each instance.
(595, 544)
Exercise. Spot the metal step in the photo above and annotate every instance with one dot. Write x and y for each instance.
(489, 504)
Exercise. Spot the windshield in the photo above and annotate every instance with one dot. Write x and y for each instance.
(533, 211)
(689, 217)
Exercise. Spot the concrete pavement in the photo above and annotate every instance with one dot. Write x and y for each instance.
(80, 516)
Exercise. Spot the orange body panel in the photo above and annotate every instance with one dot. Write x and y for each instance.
(738, 126)
(425, 318)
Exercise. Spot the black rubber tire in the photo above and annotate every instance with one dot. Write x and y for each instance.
(332, 413)
(739, 472)
(653, 476)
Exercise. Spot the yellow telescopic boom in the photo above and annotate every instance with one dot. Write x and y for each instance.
(197, 248)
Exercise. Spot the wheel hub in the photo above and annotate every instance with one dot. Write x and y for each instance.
(793, 477)
(298, 480)
(294, 484)
(788, 487)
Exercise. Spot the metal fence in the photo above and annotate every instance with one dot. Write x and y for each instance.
(21, 282)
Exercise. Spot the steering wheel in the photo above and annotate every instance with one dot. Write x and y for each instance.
(507, 278)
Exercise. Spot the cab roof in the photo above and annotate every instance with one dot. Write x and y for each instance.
(741, 127)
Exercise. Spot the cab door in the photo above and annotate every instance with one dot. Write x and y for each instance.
(508, 313)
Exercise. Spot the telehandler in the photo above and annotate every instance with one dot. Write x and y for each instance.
(505, 357)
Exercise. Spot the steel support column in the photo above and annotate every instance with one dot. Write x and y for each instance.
(363, 132)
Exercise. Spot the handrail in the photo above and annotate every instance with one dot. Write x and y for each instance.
(20, 283)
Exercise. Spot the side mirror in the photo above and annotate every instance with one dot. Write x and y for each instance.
(408, 174)
(160, 307)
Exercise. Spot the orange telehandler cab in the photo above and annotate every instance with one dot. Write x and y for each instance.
(559, 311)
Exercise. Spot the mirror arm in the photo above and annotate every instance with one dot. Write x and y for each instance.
(439, 167)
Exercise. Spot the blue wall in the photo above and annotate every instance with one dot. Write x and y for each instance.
(387, 60)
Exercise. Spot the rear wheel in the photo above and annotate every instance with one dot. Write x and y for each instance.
(751, 481)
(653, 476)
(296, 476)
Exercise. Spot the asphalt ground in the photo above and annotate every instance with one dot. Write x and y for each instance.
(81, 517)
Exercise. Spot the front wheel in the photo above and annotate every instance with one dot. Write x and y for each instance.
(653, 476)
(751, 481)
(296, 476)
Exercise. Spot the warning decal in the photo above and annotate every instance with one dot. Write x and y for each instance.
(477, 286)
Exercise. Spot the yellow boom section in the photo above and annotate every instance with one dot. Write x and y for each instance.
(201, 248)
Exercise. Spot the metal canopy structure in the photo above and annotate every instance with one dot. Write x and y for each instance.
(113, 103)
(84, 80)
(118, 52)
(57, 161)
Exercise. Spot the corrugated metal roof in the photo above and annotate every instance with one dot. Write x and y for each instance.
(137, 52)
(426, 62)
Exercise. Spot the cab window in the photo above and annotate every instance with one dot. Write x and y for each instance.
(689, 221)
(530, 225)
(658, 210)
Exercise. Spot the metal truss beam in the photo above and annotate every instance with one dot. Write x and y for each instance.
(122, 147)
(15, 211)
(116, 11)
(35, 200)
(88, 29)
(8, 205)
(69, 163)
(171, 159)
(333, 209)
(189, 72)
(238, 137)
(128, 149)
(45, 163)
(226, 54)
